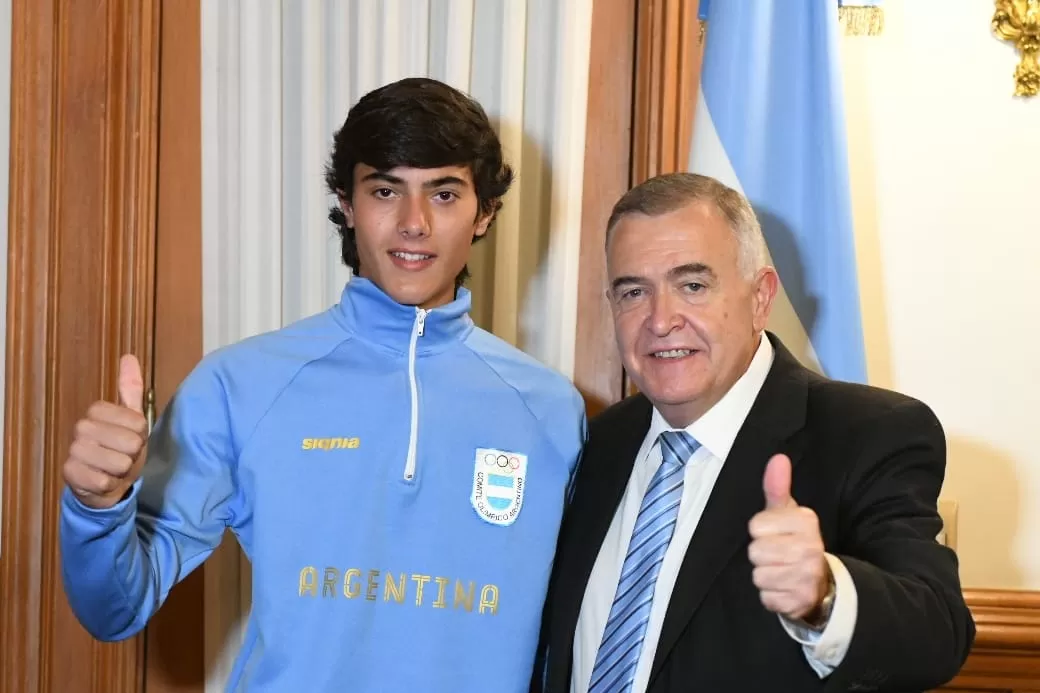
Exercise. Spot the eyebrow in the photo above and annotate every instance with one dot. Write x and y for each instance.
(674, 273)
(691, 268)
(395, 180)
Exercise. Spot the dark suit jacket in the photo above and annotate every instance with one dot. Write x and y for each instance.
(869, 462)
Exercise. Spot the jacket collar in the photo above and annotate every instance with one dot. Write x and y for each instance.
(370, 314)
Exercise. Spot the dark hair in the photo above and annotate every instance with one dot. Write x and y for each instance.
(419, 123)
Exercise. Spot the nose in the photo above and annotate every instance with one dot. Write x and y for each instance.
(415, 218)
(664, 314)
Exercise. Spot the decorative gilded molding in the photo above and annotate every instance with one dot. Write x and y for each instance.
(1019, 21)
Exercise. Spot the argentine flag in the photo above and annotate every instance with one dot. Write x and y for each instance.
(769, 122)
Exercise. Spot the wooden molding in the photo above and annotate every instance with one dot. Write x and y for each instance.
(1006, 654)
(608, 134)
(668, 65)
(175, 661)
(80, 287)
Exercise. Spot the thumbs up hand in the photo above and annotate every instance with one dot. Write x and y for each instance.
(786, 551)
(105, 456)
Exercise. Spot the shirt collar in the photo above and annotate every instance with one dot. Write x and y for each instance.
(717, 428)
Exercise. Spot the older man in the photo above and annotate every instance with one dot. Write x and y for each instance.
(743, 524)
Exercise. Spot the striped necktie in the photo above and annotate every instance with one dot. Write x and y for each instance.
(618, 655)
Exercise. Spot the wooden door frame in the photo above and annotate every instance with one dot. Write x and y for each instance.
(174, 640)
(80, 286)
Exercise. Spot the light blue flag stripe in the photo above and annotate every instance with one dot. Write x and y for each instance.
(771, 83)
(703, 7)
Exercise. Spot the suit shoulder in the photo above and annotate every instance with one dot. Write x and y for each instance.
(634, 408)
(854, 404)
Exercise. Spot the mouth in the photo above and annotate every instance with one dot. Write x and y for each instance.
(672, 354)
(407, 259)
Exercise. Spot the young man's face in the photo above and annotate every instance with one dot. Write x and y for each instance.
(415, 229)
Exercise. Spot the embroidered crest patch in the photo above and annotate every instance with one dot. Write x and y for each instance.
(499, 480)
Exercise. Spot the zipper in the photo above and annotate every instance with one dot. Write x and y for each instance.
(417, 331)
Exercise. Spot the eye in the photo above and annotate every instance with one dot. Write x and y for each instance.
(634, 292)
(693, 287)
(445, 196)
(383, 193)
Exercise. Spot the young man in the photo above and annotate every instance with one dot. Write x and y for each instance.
(395, 474)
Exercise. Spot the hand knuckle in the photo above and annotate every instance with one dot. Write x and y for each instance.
(84, 428)
(96, 410)
(123, 464)
(106, 483)
(69, 470)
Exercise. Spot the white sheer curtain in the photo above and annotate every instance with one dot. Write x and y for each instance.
(278, 79)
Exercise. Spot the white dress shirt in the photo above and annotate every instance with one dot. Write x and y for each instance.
(715, 431)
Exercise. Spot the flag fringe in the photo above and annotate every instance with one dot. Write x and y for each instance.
(861, 21)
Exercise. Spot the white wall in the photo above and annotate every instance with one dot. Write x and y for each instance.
(946, 178)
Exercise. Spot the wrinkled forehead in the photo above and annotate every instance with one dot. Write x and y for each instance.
(644, 245)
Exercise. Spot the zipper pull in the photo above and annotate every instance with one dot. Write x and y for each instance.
(422, 320)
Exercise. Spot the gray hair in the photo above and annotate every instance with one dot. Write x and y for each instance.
(672, 191)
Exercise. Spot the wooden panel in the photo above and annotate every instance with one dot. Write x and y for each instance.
(174, 638)
(597, 367)
(667, 72)
(83, 123)
(1006, 654)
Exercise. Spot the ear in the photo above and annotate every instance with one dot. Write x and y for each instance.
(346, 206)
(766, 285)
(481, 228)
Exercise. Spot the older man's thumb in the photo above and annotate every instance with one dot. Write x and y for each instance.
(777, 482)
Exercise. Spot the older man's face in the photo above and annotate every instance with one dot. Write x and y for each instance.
(686, 319)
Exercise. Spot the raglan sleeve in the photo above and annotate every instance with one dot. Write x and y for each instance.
(120, 563)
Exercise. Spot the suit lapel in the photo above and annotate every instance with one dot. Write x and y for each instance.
(771, 427)
(602, 478)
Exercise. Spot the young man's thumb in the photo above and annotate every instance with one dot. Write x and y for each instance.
(131, 383)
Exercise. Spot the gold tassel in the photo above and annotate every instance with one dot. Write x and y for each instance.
(861, 21)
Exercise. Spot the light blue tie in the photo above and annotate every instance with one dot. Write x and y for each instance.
(622, 642)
